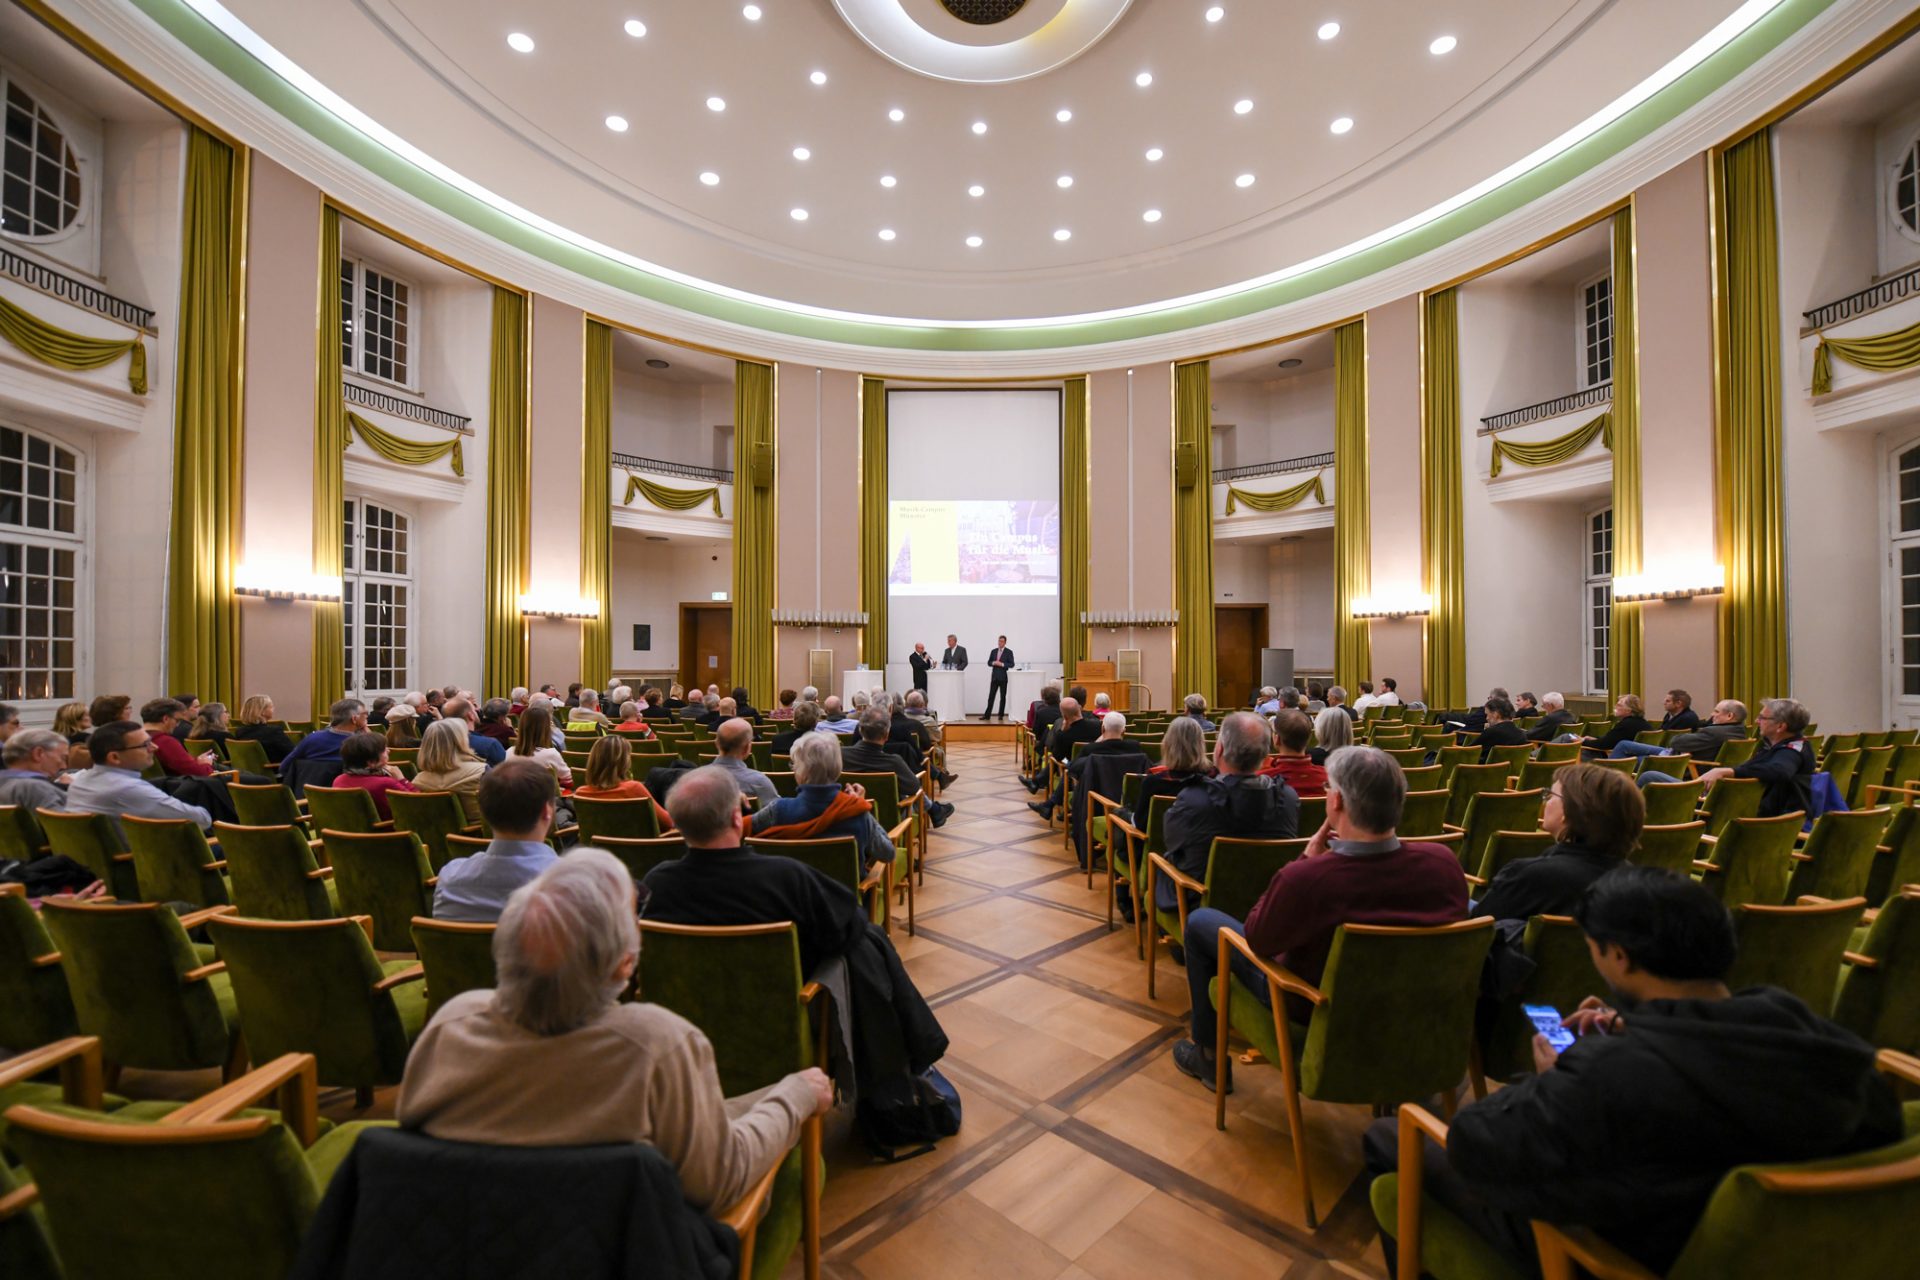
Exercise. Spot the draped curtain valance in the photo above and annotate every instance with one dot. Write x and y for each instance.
(410, 453)
(1879, 351)
(1544, 453)
(1279, 501)
(50, 344)
(668, 499)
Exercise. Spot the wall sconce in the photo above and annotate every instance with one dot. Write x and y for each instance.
(1676, 582)
(1410, 605)
(1113, 620)
(836, 619)
(540, 605)
(285, 586)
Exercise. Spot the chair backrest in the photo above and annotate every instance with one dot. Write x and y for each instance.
(1451, 758)
(786, 783)
(619, 819)
(1563, 975)
(1423, 777)
(1899, 863)
(1502, 847)
(1467, 780)
(1653, 737)
(1673, 846)
(308, 987)
(457, 955)
(741, 985)
(837, 856)
(431, 815)
(1491, 811)
(1879, 994)
(1794, 948)
(249, 755)
(1841, 764)
(1839, 855)
(341, 808)
(384, 875)
(1736, 751)
(174, 862)
(1516, 755)
(1872, 772)
(1539, 773)
(1729, 800)
(642, 856)
(1423, 814)
(883, 790)
(1409, 757)
(1558, 751)
(1313, 814)
(20, 833)
(126, 965)
(273, 873)
(35, 1006)
(93, 840)
(1904, 770)
(1669, 803)
(1623, 765)
(1156, 828)
(1239, 871)
(268, 805)
(1381, 983)
(1754, 859)
(1673, 765)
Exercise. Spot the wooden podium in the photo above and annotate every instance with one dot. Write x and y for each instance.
(1098, 677)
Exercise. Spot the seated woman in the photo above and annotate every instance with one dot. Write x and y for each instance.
(536, 741)
(402, 724)
(72, 722)
(1332, 730)
(566, 947)
(785, 710)
(260, 723)
(609, 777)
(824, 808)
(211, 724)
(365, 758)
(447, 763)
(1629, 721)
(1594, 816)
(631, 720)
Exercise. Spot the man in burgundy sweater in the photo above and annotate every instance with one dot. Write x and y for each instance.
(1355, 871)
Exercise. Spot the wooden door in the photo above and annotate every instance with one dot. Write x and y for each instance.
(1239, 633)
(706, 646)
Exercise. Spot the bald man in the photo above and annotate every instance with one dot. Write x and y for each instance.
(734, 740)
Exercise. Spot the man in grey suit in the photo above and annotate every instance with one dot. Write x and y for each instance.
(956, 654)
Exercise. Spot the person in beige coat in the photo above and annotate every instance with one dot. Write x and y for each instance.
(447, 763)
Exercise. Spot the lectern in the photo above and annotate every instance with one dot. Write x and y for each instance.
(1099, 677)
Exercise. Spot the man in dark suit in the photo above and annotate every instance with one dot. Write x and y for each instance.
(1001, 661)
(956, 654)
(869, 755)
(921, 661)
(1501, 731)
(1072, 728)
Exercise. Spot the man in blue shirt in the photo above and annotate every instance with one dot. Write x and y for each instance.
(487, 748)
(121, 753)
(344, 719)
(517, 801)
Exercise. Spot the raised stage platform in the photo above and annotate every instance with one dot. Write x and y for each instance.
(980, 730)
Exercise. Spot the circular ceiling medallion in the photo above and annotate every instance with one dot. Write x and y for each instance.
(981, 41)
(983, 13)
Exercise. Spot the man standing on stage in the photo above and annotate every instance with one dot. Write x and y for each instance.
(921, 661)
(1001, 660)
(956, 654)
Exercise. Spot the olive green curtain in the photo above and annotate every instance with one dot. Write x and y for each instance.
(1076, 482)
(753, 529)
(411, 453)
(50, 344)
(329, 672)
(1442, 542)
(1625, 660)
(874, 561)
(670, 499)
(1753, 619)
(1879, 351)
(203, 623)
(1280, 500)
(1544, 453)
(596, 508)
(505, 663)
(1352, 523)
(1193, 652)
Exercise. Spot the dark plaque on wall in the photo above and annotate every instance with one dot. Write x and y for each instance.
(642, 636)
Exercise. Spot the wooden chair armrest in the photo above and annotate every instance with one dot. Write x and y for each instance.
(1416, 1124)
(1858, 961)
(572, 829)
(293, 1076)
(1901, 1066)
(818, 1002)
(1174, 873)
(123, 857)
(1704, 838)
(1705, 867)
(1478, 882)
(1285, 980)
(46, 961)
(194, 919)
(875, 878)
(1568, 1251)
(744, 1214)
(1117, 823)
(900, 829)
(218, 864)
(1449, 826)
(78, 1057)
(1105, 802)
(385, 824)
(401, 978)
(1909, 791)
(320, 873)
(1798, 856)
(203, 972)
(472, 829)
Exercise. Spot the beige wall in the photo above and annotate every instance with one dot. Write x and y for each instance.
(818, 516)
(276, 507)
(1130, 521)
(1393, 483)
(553, 527)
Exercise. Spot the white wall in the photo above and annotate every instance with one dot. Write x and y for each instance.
(1300, 600)
(1532, 357)
(672, 421)
(650, 582)
(1271, 421)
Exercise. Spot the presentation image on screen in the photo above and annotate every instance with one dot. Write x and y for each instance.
(1003, 547)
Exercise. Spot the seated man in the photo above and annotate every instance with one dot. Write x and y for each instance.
(656, 708)
(1069, 729)
(489, 748)
(1267, 701)
(517, 801)
(1628, 723)
(870, 755)
(1727, 721)
(1102, 768)
(1525, 704)
(1783, 762)
(806, 718)
(1355, 871)
(1475, 721)
(823, 808)
(586, 716)
(1501, 731)
(1554, 718)
(1042, 714)
(554, 1028)
(734, 741)
(1236, 801)
(1630, 1129)
(35, 760)
(1290, 764)
(1680, 714)
(344, 719)
(1195, 705)
(121, 752)
(835, 720)
(493, 721)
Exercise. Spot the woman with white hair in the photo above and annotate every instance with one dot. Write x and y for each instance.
(823, 808)
(1332, 730)
(567, 944)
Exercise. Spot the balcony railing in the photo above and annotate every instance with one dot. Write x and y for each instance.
(685, 470)
(1871, 298)
(399, 407)
(1601, 393)
(69, 289)
(1253, 471)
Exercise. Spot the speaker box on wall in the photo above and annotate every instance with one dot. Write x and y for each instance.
(760, 466)
(820, 668)
(1126, 665)
(1186, 465)
(643, 636)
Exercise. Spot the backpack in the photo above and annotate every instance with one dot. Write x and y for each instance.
(908, 1111)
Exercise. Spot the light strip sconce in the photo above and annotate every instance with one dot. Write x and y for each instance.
(1412, 605)
(820, 618)
(1113, 620)
(537, 605)
(1681, 582)
(287, 586)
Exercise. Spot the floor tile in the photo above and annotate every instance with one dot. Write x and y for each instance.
(969, 1242)
(1011, 927)
(1067, 1197)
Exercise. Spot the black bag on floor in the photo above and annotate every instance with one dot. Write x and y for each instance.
(907, 1111)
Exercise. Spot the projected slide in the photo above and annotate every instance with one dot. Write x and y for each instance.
(954, 548)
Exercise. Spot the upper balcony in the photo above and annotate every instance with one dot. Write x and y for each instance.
(657, 496)
(1580, 472)
(88, 398)
(1862, 399)
(415, 453)
(1288, 477)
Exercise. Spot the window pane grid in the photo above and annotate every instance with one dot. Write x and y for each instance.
(39, 174)
(1598, 622)
(383, 326)
(376, 598)
(1598, 344)
(39, 622)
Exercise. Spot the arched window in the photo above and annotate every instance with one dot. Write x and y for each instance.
(39, 172)
(42, 527)
(1903, 196)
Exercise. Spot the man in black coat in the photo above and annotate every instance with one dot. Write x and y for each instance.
(1071, 728)
(922, 662)
(1000, 661)
(1630, 1129)
(1102, 768)
(806, 716)
(1501, 731)
(1783, 762)
(1727, 721)
(1236, 801)
(1680, 714)
(870, 755)
(1554, 720)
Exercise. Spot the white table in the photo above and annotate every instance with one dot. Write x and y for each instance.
(947, 695)
(1023, 689)
(865, 679)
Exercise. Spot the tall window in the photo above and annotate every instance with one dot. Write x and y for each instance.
(1903, 562)
(376, 323)
(41, 532)
(1598, 597)
(39, 172)
(1596, 332)
(377, 598)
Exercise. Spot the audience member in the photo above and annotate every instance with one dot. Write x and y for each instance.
(1389, 695)
(1195, 705)
(1365, 700)
(743, 705)
(517, 800)
(71, 721)
(1594, 816)
(160, 717)
(1101, 769)
(1554, 719)
(260, 723)
(535, 742)
(835, 720)
(610, 777)
(1183, 759)
(494, 713)
(1475, 721)
(1337, 700)
(631, 721)
(1525, 704)
(446, 763)
(488, 748)
(1071, 729)
(869, 755)
(1727, 721)
(656, 707)
(121, 752)
(1289, 763)
(344, 719)
(1316, 697)
(806, 718)
(1332, 730)
(1501, 731)
(788, 697)
(1237, 801)
(211, 725)
(403, 726)
(823, 808)
(1783, 762)
(1628, 722)
(110, 708)
(1266, 701)
(584, 714)
(189, 711)
(1680, 713)
(734, 742)
(35, 759)
(365, 755)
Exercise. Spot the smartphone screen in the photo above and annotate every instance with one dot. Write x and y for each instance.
(1546, 1020)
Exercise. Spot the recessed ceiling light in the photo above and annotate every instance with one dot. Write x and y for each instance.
(976, 191)
(1244, 180)
(798, 215)
(1144, 79)
(1342, 125)
(1063, 234)
(1292, 362)
(710, 179)
(1154, 153)
(636, 28)
(617, 123)
(1151, 215)
(801, 153)
(1216, 13)
(1443, 45)
(657, 363)
(974, 242)
(1063, 115)
(888, 180)
(818, 77)
(520, 42)
(886, 233)
(716, 104)
(896, 115)
(1328, 30)
(1064, 181)
(979, 127)
(751, 13)
(1243, 106)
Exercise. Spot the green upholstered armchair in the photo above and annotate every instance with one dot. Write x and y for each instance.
(1879, 994)
(316, 987)
(174, 863)
(1903, 773)
(456, 956)
(20, 834)
(1674, 846)
(621, 819)
(1392, 1021)
(154, 999)
(1795, 948)
(1503, 847)
(26, 1251)
(1539, 773)
(384, 875)
(249, 756)
(274, 875)
(742, 986)
(94, 841)
(1670, 803)
(1563, 976)
(1431, 1241)
(1841, 765)
(839, 858)
(1409, 757)
(1422, 816)
(1898, 860)
(901, 823)
(1451, 758)
(1750, 860)
(786, 784)
(1837, 859)
(642, 856)
(208, 1191)
(1490, 811)
(1238, 872)
(35, 1006)
(433, 816)
(344, 809)
(1142, 839)
(1468, 780)
(268, 805)
(1102, 833)
(1729, 799)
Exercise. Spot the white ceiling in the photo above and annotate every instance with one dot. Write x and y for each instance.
(530, 126)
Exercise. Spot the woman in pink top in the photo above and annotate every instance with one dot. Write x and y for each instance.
(365, 755)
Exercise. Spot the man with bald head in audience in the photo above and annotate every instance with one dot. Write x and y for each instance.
(486, 747)
(833, 719)
(734, 740)
(1072, 727)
